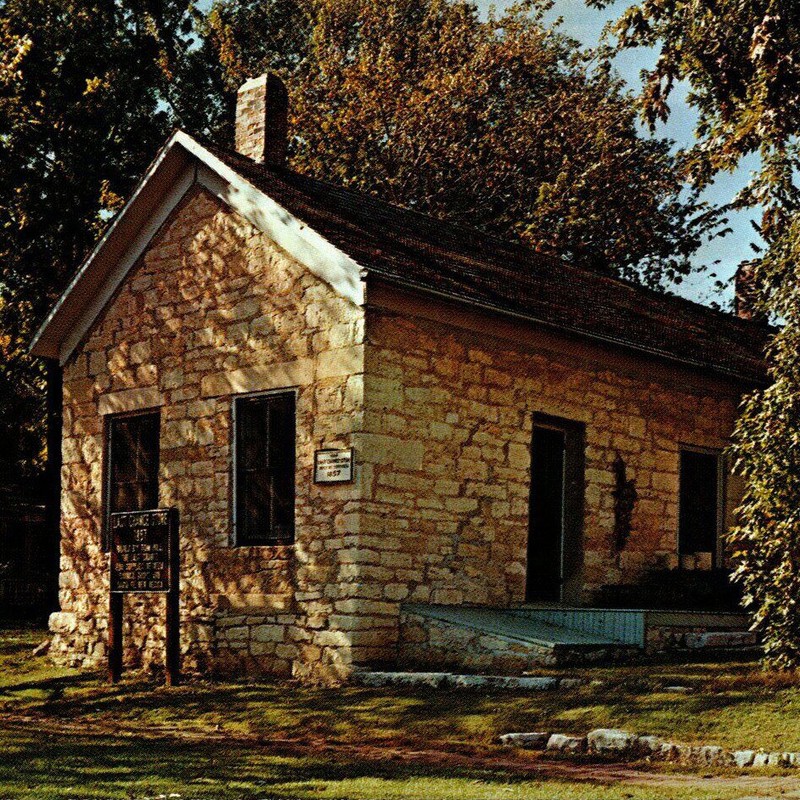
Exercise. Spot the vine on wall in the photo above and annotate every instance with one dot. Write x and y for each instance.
(625, 497)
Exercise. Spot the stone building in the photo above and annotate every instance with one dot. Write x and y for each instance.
(521, 430)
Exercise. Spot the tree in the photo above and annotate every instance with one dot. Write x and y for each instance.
(502, 123)
(766, 542)
(740, 60)
(88, 92)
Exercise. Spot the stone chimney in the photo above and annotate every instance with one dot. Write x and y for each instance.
(745, 293)
(262, 110)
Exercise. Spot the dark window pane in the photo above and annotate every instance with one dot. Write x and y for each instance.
(699, 502)
(265, 445)
(133, 463)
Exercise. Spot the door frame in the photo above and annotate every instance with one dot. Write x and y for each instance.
(573, 500)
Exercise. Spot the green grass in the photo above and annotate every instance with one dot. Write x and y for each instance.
(109, 767)
(67, 734)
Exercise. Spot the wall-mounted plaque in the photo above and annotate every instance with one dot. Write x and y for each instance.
(333, 466)
(141, 545)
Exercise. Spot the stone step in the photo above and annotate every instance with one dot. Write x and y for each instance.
(450, 680)
(495, 640)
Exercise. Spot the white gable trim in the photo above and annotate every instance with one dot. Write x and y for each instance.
(313, 251)
(182, 163)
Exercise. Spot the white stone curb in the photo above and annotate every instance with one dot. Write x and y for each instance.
(450, 680)
(609, 741)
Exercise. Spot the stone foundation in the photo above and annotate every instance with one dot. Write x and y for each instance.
(670, 639)
(254, 644)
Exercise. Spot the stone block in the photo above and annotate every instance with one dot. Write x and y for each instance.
(519, 456)
(267, 633)
(649, 745)
(286, 651)
(261, 378)
(333, 638)
(720, 639)
(534, 683)
(261, 648)
(139, 352)
(396, 591)
(528, 741)
(235, 634)
(669, 751)
(62, 622)
(432, 680)
(711, 754)
(562, 743)
(610, 740)
(761, 759)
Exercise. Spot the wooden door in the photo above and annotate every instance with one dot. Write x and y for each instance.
(555, 522)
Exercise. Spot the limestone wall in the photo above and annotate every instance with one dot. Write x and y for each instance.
(214, 309)
(450, 398)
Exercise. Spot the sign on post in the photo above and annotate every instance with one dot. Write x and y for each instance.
(140, 551)
(333, 466)
(145, 558)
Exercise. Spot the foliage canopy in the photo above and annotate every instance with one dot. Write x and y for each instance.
(740, 60)
(501, 123)
(89, 89)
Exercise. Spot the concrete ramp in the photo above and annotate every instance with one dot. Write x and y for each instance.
(502, 641)
(513, 640)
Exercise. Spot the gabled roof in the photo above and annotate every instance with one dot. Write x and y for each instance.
(181, 164)
(345, 233)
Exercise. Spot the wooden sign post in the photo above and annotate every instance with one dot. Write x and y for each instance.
(145, 558)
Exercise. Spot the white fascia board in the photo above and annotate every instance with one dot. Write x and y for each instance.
(302, 242)
(56, 327)
(163, 186)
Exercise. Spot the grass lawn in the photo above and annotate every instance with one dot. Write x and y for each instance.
(65, 734)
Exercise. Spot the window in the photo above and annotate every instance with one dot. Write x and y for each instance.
(264, 469)
(700, 501)
(132, 464)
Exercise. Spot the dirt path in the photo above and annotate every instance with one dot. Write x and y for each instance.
(435, 755)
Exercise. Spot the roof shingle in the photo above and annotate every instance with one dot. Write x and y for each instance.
(415, 250)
